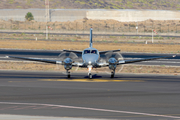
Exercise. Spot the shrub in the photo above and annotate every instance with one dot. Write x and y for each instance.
(29, 16)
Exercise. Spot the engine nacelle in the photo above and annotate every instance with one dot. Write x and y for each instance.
(67, 64)
(112, 63)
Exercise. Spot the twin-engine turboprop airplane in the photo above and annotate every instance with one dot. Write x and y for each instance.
(91, 59)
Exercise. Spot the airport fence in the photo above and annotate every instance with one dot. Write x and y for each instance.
(99, 27)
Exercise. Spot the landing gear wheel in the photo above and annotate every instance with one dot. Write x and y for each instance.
(90, 76)
(68, 74)
(112, 74)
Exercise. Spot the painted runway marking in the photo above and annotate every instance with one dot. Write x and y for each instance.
(40, 107)
(90, 80)
(92, 109)
(8, 108)
(24, 107)
(21, 81)
(55, 107)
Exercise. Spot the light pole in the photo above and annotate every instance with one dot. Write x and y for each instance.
(47, 16)
(137, 28)
(152, 36)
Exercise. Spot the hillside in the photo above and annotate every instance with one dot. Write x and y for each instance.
(93, 4)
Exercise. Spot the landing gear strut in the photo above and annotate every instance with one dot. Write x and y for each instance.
(90, 75)
(68, 74)
(112, 74)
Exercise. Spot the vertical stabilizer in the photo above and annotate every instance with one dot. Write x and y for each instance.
(90, 42)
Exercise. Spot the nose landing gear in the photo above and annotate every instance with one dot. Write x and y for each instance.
(89, 74)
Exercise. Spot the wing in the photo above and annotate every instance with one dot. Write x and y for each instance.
(46, 61)
(37, 59)
(103, 52)
(134, 60)
(74, 55)
(143, 59)
(74, 51)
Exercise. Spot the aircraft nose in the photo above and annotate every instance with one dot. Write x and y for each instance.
(90, 59)
(89, 62)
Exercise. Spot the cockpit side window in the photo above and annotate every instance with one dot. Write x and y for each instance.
(94, 52)
(86, 51)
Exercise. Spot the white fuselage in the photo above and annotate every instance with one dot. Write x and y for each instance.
(90, 57)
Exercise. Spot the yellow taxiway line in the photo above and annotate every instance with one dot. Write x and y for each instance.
(90, 80)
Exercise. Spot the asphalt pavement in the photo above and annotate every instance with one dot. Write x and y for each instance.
(127, 96)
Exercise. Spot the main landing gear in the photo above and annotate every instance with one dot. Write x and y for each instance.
(68, 74)
(112, 74)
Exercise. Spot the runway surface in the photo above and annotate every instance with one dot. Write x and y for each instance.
(127, 96)
(49, 54)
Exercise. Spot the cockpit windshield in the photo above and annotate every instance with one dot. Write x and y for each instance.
(87, 51)
(90, 51)
(93, 51)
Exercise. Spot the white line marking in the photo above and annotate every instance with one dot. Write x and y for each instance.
(24, 107)
(55, 107)
(40, 107)
(8, 108)
(94, 109)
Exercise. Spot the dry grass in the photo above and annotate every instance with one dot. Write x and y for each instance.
(59, 45)
(115, 39)
(161, 26)
(35, 66)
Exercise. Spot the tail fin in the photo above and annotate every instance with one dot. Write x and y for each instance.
(90, 42)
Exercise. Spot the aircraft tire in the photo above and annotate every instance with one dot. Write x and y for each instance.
(69, 76)
(112, 74)
(90, 76)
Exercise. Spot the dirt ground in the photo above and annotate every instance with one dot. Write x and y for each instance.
(115, 39)
(59, 45)
(161, 26)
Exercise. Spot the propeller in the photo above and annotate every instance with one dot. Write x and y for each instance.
(68, 58)
(65, 55)
(112, 58)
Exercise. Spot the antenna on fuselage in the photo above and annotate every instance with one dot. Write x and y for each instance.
(90, 42)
